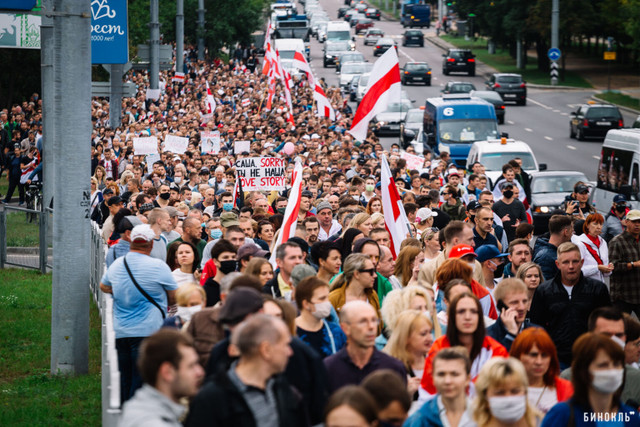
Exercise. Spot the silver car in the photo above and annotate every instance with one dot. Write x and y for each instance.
(351, 69)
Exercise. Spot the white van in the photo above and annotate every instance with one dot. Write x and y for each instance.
(495, 153)
(287, 49)
(619, 169)
(340, 31)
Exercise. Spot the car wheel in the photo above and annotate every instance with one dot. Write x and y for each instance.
(428, 82)
(422, 44)
(523, 102)
(403, 82)
(472, 73)
(580, 134)
(324, 64)
(501, 120)
(572, 134)
(445, 72)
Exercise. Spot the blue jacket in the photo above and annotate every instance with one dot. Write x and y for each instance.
(560, 415)
(545, 255)
(427, 416)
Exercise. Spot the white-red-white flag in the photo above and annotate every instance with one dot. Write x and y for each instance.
(323, 105)
(300, 62)
(384, 85)
(395, 218)
(178, 78)
(290, 220)
(211, 103)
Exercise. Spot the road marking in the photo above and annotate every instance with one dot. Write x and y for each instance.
(556, 111)
(571, 147)
(528, 129)
(596, 157)
(565, 114)
(510, 122)
(407, 55)
(548, 138)
(540, 104)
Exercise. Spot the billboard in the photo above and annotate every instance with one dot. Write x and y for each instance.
(19, 31)
(109, 32)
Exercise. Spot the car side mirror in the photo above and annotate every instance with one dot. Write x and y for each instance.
(409, 135)
(573, 113)
(504, 135)
(542, 167)
(353, 39)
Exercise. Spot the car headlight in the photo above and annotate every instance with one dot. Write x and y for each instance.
(381, 123)
(542, 209)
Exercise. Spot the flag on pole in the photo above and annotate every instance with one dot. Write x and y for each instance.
(238, 194)
(178, 78)
(395, 218)
(290, 220)
(211, 103)
(300, 62)
(384, 85)
(323, 105)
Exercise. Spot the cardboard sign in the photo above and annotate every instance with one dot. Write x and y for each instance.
(146, 145)
(413, 161)
(241, 147)
(151, 159)
(153, 94)
(176, 144)
(262, 173)
(210, 142)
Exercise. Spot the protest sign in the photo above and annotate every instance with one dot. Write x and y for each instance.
(241, 147)
(147, 145)
(153, 94)
(175, 144)
(246, 102)
(151, 159)
(413, 161)
(210, 142)
(261, 173)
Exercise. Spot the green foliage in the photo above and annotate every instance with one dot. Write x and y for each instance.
(21, 76)
(620, 99)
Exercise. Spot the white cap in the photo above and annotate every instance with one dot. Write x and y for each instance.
(425, 213)
(315, 136)
(142, 232)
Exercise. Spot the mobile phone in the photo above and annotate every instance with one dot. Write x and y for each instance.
(501, 305)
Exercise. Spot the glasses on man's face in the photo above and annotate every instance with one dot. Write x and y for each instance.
(371, 271)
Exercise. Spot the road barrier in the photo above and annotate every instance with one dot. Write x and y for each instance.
(24, 238)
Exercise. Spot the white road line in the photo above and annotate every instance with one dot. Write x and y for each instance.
(565, 114)
(407, 55)
(596, 157)
(528, 129)
(556, 111)
(511, 122)
(540, 104)
(571, 147)
(548, 138)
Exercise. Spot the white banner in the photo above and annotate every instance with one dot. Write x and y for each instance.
(176, 144)
(413, 161)
(210, 142)
(241, 147)
(153, 94)
(262, 173)
(147, 145)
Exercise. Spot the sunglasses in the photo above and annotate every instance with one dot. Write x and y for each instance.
(371, 271)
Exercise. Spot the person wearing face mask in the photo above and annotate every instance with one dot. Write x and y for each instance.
(164, 194)
(312, 325)
(597, 378)
(501, 395)
(510, 210)
(190, 298)
(613, 220)
(223, 255)
(225, 203)
(491, 259)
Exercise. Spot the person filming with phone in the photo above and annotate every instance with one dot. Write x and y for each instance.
(577, 203)
(512, 304)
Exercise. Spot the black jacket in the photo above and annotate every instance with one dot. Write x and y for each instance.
(220, 403)
(499, 332)
(566, 319)
(271, 287)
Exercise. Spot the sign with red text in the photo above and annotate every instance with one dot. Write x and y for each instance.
(261, 173)
(413, 161)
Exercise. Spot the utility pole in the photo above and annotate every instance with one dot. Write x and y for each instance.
(180, 36)
(115, 96)
(555, 23)
(70, 294)
(48, 105)
(154, 47)
(201, 11)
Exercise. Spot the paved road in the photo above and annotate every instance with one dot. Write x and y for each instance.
(543, 123)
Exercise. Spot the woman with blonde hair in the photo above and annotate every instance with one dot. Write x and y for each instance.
(406, 262)
(96, 196)
(124, 180)
(431, 243)
(361, 221)
(501, 395)
(190, 299)
(410, 342)
(377, 220)
(100, 174)
(531, 274)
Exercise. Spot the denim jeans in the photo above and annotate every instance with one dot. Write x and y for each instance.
(130, 379)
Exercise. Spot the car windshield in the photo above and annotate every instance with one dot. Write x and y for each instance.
(555, 183)
(416, 67)
(356, 68)
(495, 161)
(603, 112)
(337, 47)
(468, 131)
(414, 116)
(509, 79)
(351, 57)
(287, 54)
(365, 21)
(338, 35)
(414, 33)
(398, 107)
(364, 80)
(385, 41)
(459, 55)
(461, 88)
(375, 33)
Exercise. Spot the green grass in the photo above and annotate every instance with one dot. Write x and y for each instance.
(504, 63)
(29, 396)
(20, 232)
(380, 5)
(4, 184)
(620, 99)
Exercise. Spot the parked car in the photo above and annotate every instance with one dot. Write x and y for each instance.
(413, 37)
(372, 13)
(458, 87)
(511, 87)
(412, 121)
(363, 25)
(548, 191)
(459, 60)
(415, 72)
(492, 98)
(383, 45)
(372, 36)
(594, 121)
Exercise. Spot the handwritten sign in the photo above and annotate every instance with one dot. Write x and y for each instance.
(176, 144)
(151, 159)
(262, 173)
(413, 161)
(210, 142)
(241, 147)
(147, 145)
(153, 94)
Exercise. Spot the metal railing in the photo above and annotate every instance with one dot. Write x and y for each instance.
(111, 409)
(22, 246)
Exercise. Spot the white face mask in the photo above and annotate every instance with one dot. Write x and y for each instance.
(177, 180)
(508, 409)
(608, 380)
(323, 310)
(185, 313)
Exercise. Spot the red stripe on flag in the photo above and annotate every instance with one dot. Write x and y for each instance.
(372, 95)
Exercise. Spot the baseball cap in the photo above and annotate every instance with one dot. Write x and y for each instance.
(143, 233)
(301, 271)
(114, 201)
(146, 207)
(619, 198)
(505, 184)
(425, 213)
(581, 188)
(209, 210)
(633, 215)
(486, 252)
(227, 219)
(473, 205)
(251, 249)
(239, 303)
(323, 205)
(458, 251)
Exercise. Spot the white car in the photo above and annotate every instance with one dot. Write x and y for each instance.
(494, 153)
(351, 69)
(372, 36)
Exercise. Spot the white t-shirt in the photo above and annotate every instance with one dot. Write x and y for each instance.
(181, 277)
(542, 398)
(569, 289)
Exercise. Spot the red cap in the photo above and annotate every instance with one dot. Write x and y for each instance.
(458, 251)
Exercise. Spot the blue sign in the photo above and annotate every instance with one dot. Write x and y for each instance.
(109, 32)
(17, 4)
(554, 54)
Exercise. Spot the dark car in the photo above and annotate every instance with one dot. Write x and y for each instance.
(332, 51)
(349, 13)
(548, 191)
(388, 122)
(458, 87)
(416, 72)
(342, 10)
(492, 98)
(383, 45)
(511, 87)
(372, 13)
(594, 121)
(363, 25)
(412, 121)
(456, 60)
(413, 37)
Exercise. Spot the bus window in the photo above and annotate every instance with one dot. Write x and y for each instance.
(614, 169)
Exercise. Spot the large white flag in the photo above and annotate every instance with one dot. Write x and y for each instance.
(395, 218)
(290, 220)
(323, 105)
(300, 62)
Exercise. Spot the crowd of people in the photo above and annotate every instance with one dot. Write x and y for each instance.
(471, 321)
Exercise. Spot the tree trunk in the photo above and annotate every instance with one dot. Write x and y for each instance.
(541, 50)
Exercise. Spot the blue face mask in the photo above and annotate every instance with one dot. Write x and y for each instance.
(216, 233)
(227, 207)
(203, 225)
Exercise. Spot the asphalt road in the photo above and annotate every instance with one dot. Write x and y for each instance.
(543, 123)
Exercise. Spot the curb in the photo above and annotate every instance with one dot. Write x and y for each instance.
(19, 250)
(621, 107)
